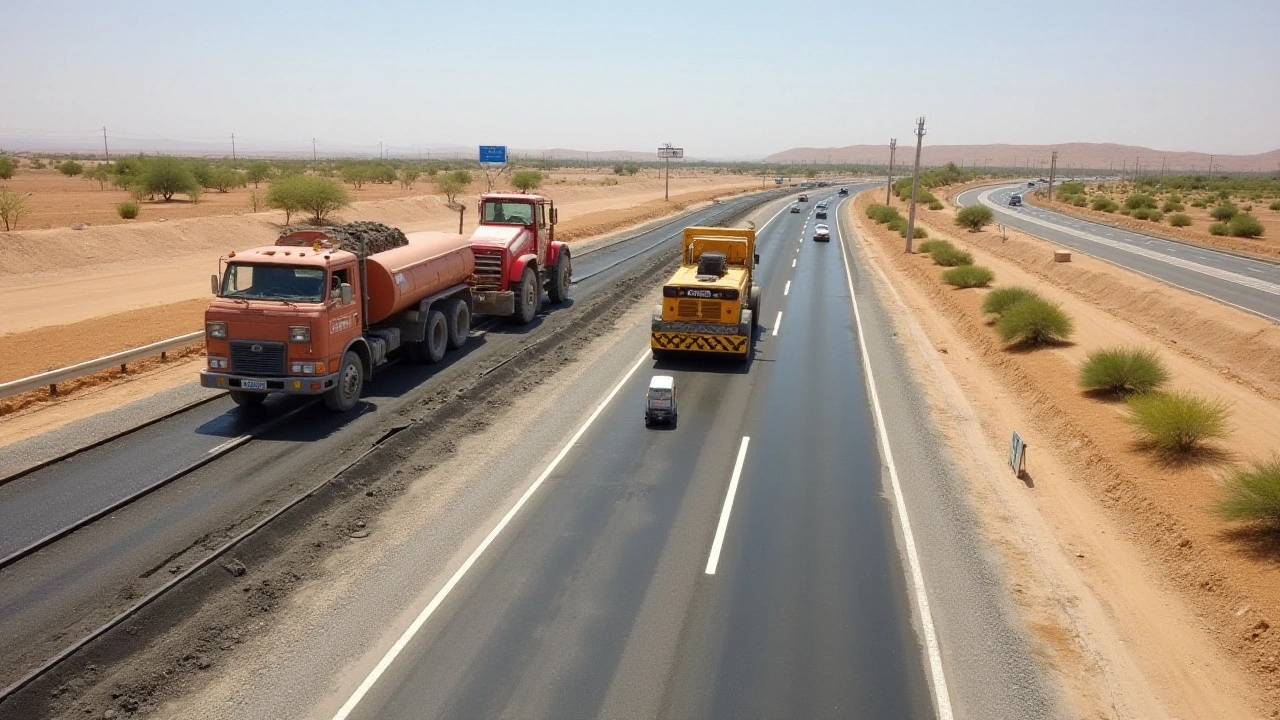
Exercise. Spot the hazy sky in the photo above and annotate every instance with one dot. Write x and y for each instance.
(741, 78)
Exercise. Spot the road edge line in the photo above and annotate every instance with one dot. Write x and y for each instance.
(440, 596)
(942, 696)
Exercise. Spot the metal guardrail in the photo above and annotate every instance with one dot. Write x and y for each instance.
(53, 377)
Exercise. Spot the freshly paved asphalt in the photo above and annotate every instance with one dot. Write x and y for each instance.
(1252, 285)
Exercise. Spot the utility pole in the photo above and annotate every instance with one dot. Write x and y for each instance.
(1053, 169)
(380, 150)
(233, 147)
(105, 150)
(313, 149)
(888, 183)
(1210, 167)
(915, 183)
(1162, 164)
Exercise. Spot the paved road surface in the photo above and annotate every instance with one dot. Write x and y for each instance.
(1252, 285)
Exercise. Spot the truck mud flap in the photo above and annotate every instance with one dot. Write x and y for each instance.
(735, 344)
(499, 303)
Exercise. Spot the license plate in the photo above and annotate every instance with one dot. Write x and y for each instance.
(253, 384)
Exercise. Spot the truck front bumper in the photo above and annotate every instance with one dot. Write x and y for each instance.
(495, 303)
(310, 385)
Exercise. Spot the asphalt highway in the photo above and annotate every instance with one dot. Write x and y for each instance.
(1251, 285)
(792, 602)
(59, 590)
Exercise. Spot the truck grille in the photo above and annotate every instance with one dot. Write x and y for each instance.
(698, 310)
(488, 273)
(268, 361)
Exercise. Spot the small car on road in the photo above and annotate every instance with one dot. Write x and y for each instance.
(843, 191)
(821, 214)
(803, 198)
(821, 233)
(795, 207)
(1015, 200)
(660, 401)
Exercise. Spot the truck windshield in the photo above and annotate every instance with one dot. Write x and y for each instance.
(500, 212)
(273, 282)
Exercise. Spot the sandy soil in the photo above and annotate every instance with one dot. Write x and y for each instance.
(1267, 246)
(1148, 604)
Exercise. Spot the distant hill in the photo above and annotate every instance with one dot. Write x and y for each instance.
(1080, 155)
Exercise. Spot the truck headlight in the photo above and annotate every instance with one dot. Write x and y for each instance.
(299, 333)
(216, 329)
(306, 368)
(217, 363)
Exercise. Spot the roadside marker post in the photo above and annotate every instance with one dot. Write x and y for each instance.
(1018, 455)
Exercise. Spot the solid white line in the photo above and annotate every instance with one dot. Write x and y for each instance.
(718, 542)
(942, 697)
(228, 444)
(777, 323)
(787, 290)
(426, 613)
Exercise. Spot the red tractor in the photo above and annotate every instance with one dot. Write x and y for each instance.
(517, 256)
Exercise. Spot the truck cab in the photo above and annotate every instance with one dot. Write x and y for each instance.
(517, 256)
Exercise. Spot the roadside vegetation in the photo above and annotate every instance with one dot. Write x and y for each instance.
(1225, 204)
(969, 276)
(1024, 319)
(1253, 494)
(1123, 371)
(12, 208)
(1177, 423)
(974, 217)
(7, 168)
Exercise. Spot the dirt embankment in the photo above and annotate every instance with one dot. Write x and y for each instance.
(1264, 247)
(1227, 573)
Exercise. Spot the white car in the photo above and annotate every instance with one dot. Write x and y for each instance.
(821, 233)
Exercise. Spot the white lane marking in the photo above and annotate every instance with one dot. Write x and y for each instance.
(793, 262)
(440, 596)
(787, 290)
(942, 697)
(714, 559)
(228, 444)
(777, 324)
(1226, 275)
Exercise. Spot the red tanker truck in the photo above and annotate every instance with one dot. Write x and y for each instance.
(306, 317)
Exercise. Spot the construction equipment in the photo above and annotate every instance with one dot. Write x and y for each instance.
(711, 304)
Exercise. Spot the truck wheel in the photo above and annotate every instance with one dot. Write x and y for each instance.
(344, 396)
(528, 297)
(754, 306)
(437, 340)
(247, 400)
(751, 336)
(459, 316)
(561, 278)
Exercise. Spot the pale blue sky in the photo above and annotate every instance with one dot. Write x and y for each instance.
(741, 78)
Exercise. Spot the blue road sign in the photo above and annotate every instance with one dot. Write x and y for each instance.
(493, 154)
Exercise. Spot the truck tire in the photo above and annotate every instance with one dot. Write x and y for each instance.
(346, 393)
(247, 400)
(528, 297)
(561, 278)
(437, 341)
(754, 307)
(751, 337)
(458, 313)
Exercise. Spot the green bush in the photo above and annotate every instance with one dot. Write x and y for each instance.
(949, 256)
(1139, 200)
(1245, 225)
(317, 195)
(1071, 188)
(883, 213)
(1198, 203)
(968, 276)
(1170, 206)
(1034, 321)
(897, 224)
(1002, 298)
(1254, 494)
(1079, 200)
(1218, 228)
(1175, 198)
(935, 205)
(1155, 215)
(1273, 206)
(7, 168)
(451, 183)
(71, 168)
(1125, 211)
(1177, 422)
(1224, 212)
(12, 207)
(1105, 204)
(257, 171)
(1123, 371)
(222, 178)
(1180, 220)
(928, 245)
(1247, 208)
(167, 176)
(974, 217)
(128, 210)
(917, 232)
(526, 180)
(356, 175)
(1141, 213)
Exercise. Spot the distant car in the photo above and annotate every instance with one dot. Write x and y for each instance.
(1015, 200)
(1031, 184)
(822, 233)
(660, 401)
(795, 208)
(803, 198)
(821, 214)
(822, 205)
(843, 191)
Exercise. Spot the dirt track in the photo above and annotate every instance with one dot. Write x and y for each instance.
(1136, 527)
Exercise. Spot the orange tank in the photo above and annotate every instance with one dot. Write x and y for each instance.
(430, 263)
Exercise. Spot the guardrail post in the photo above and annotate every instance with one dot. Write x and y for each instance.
(163, 356)
(122, 368)
(53, 389)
